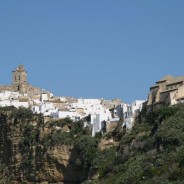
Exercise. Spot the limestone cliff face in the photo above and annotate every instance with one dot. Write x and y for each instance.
(60, 161)
(22, 150)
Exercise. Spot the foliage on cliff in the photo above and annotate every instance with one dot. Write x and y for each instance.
(28, 144)
(151, 153)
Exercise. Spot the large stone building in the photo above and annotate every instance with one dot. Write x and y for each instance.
(167, 91)
(20, 83)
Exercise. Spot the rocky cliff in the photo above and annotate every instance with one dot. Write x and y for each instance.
(34, 153)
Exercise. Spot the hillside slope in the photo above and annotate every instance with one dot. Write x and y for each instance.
(33, 151)
(153, 152)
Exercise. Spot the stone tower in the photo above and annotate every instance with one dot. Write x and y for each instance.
(20, 79)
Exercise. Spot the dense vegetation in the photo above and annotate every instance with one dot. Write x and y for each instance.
(151, 153)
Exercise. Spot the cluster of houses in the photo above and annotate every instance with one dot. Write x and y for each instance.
(99, 112)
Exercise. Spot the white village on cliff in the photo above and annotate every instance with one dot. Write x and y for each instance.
(97, 113)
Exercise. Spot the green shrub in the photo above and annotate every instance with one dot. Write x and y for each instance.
(87, 146)
(171, 131)
(23, 113)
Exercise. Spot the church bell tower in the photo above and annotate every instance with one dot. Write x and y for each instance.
(19, 81)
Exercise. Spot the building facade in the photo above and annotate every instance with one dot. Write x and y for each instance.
(167, 91)
(130, 113)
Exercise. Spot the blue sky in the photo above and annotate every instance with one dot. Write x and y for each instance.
(92, 48)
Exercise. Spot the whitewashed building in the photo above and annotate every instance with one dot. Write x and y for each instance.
(130, 112)
(48, 108)
(20, 103)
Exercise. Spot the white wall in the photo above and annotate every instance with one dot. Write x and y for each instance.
(96, 123)
(35, 109)
(4, 95)
(4, 103)
(18, 104)
(130, 112)
(44, 96)
(67, 114)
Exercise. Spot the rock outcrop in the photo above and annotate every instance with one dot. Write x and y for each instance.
(22, 150)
